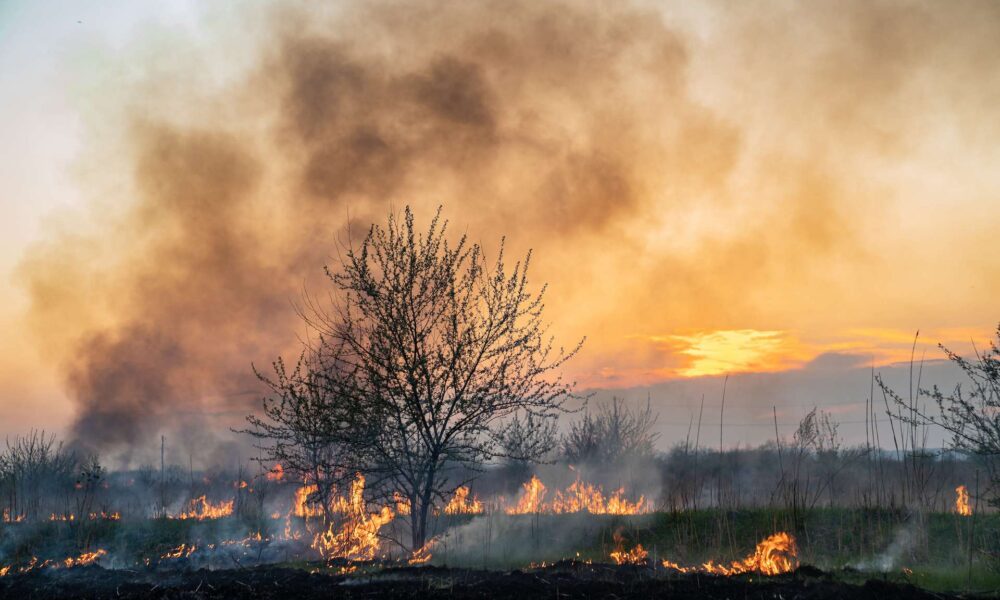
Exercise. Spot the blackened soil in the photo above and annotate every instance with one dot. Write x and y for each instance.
(563, 580)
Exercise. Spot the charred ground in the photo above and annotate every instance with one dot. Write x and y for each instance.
(568, 579)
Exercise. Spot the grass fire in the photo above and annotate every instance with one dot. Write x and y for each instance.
(523, 299)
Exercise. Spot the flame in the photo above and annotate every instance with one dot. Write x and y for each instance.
(460, 505)
(115, 516)
(775, 555)
(962, 501)
(356, 537)
(182, 551)
(582, 496)
(402, 503)
(86, 558)
(200, 508)
(578, 497)
(531, 498)
(9, 519)
(669, 564)
(301, 506)
(635, 556)
(277, 473)
(106, 516)
(422, 555)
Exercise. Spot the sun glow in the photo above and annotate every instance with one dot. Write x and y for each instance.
(735, 351)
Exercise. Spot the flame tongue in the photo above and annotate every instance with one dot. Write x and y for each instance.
(962, 506)
(357, 537)
(578, 497)
(201, 508)
(460, 504)
(635, 556)
(531, 498)
(775, 555)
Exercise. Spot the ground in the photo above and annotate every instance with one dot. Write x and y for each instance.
(562, 580)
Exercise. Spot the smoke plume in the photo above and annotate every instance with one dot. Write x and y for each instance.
(614, 138)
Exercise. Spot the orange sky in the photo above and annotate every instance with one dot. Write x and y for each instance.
(708, 188)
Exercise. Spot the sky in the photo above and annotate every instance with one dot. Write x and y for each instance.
(783, 193)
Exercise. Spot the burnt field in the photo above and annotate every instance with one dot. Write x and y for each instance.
(596, 533)
(567, 579)
(864, 554)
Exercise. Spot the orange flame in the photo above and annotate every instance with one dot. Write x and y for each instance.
(422, 555)
(962, 506)
(86, 558)
(531, 498)
(578, 497)
(774, 555)
(115, 516)
(635, 556)
(200, 508)
(460, 505)
(7, 518)
(277, 473)
(402, 503)
(182, 551)
(301, 506)
(582, 496)
(357, 537)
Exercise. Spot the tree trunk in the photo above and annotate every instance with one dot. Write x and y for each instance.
(419, 520)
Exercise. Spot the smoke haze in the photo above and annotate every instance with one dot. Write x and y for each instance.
(681, 168)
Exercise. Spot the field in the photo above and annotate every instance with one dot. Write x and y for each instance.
(840, 553)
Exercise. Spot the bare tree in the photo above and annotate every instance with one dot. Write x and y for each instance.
(443, 349)
(34, 468)
(304, 425)
(525, 439)
(612, 433)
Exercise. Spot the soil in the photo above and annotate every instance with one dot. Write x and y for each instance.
(562, 580)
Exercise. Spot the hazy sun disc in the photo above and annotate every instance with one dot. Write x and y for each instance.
(735, 351)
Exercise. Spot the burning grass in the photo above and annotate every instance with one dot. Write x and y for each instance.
(540, 526)
(357, 534)
(201, 508)
(774, 555)
(578, 497)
